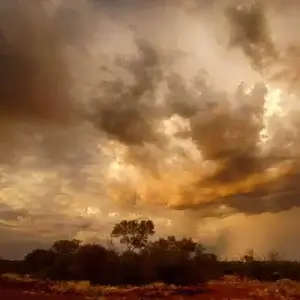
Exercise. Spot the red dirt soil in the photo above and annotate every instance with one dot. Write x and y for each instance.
(34, 291)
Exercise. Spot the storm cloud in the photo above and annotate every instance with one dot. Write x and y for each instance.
(176, 116)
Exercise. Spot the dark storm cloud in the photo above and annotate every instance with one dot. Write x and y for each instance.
(128, 114)
(250, 31)
(225, 127)
(34, 80)
(227, 130)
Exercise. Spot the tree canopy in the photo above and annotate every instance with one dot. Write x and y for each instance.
(134, 234)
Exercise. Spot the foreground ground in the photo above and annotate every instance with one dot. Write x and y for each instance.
(223, 289)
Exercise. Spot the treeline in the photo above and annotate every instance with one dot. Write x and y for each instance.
(170, 260)
(140, 261)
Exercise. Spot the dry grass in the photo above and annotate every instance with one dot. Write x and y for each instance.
(17, 277)
(87, 289)
(282, 289)
(231, 285)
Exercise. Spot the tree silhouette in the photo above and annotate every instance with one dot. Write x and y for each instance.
(170, 259)
(94, 263)
(134, 234)
(65, 246)
(39, 259)
(64, 251)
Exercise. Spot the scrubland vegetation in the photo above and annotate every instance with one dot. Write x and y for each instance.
(155, 268)
(168, 260)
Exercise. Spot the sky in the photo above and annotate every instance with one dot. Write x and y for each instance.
(184, 112)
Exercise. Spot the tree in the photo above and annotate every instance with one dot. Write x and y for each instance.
(64, 251)
(170, 244)
(170, 259)
(95, 263)
(132, 268)
(66, 247)
(134, 234)
(39, 260)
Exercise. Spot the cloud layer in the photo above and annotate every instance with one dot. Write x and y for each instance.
(115, 115)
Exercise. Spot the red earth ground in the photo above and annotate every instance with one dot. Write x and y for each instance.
(217, 290)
